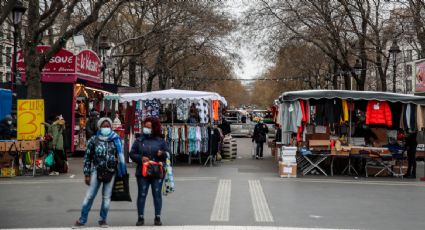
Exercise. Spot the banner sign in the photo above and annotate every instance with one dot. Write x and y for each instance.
(420, 77)
(64, 66)
(88, 65)
(30, 119)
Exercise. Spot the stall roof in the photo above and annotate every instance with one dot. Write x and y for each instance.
(353, 95)
(172, 95)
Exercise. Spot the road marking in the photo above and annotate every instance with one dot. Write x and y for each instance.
(193, 227)
(261, 208)
(337, 181)
(221, 209)
(81, 180)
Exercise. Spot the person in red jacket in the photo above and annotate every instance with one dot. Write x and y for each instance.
(378, 113)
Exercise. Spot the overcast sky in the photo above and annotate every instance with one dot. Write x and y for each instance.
(251, 65)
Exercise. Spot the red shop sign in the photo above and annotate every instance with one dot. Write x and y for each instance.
(63, 62)
(88, 65)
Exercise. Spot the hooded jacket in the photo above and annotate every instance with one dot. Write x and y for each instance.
(378, 113)
(6, 130)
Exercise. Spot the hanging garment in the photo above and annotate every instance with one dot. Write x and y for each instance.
(151, 108)
(378, 113)
(216, 107)
(198, 139)
(420, 117)
(203, 109)
(182, 109)
(291, 116)
(192, 140)
(345, 115)
(403, 111)
(408, 115)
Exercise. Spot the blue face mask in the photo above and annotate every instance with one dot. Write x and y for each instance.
(147, 131)
(105, 131)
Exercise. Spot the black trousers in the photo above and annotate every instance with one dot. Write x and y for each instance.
(60, 161)
(411, 160)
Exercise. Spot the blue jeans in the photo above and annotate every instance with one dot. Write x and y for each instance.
(259, 150)
(91, 194)
(143, 185)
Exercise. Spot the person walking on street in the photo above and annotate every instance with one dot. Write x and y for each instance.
(103, 159)
(55, 130)
(259, 136)
(150, 146)
(7, 131)
(91, 126)
(411, 145)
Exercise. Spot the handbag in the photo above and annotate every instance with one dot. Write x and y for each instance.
(121, 189)
(104, 174)
(153, 170)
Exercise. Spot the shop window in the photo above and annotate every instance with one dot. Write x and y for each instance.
(1, 77)
(8, 56)
(409, 70)
(8, 77)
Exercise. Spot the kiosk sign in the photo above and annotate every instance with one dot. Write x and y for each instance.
(30, 119)
(88, 65)
(420, 77)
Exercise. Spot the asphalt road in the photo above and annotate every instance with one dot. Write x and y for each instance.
(243, 192)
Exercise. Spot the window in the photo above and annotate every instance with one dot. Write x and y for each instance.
(1, 77)
(409, 70)
(8, 77)
(409, 55)
(8, 56)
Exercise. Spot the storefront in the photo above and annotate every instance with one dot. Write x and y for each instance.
(71, 87)
(323, 126)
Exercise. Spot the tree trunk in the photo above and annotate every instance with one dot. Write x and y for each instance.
(31, 57)
(150, 83)
(132, 71)
(141, 77)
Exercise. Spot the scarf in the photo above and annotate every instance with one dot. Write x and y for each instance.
(112, 137)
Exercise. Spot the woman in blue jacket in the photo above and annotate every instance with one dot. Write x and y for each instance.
(150, 146)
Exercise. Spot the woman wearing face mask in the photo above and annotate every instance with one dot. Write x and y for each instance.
(150, 146)
(7, 131)
(104, 156)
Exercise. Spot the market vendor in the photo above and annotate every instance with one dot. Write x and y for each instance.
(7, 131)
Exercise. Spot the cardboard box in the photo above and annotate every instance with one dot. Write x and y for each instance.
(5, 157)
(9, 172)
(371, 171)
(12, 146)
(288, 170)
(29, 145)
(2, 146)
(274, 151)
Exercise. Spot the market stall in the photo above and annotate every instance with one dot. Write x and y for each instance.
(71, 87)
(363, 128)
(187, 117)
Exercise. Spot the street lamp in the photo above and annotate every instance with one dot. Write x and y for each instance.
(16, 17)
(394, 50)
(357, 70)
(103, 47)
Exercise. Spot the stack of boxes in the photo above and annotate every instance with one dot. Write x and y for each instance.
(288, 162)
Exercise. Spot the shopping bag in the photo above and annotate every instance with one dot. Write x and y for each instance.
(27, 158)
(121, 189)
(168, 185)
(49, 161)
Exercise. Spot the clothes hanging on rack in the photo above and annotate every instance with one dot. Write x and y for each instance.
(182, 109)
(420, 117)
(216, 107)
(151, 108)
(203, 109)
(379, 113)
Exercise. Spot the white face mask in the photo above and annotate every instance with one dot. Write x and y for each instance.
(147, 131)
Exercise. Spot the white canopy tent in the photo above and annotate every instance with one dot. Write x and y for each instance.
(170, 95)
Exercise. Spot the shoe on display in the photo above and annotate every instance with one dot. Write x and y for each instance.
(77, 225)
(140, 221)
(158, 221)
(103, 224)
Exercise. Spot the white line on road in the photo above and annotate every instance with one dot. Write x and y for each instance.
(193, 227)
(262, 212)
(221, 209)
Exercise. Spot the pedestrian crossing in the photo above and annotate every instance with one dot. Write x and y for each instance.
(262, 212)
(221, 209)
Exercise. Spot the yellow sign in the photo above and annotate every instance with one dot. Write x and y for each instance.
(30, 119)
